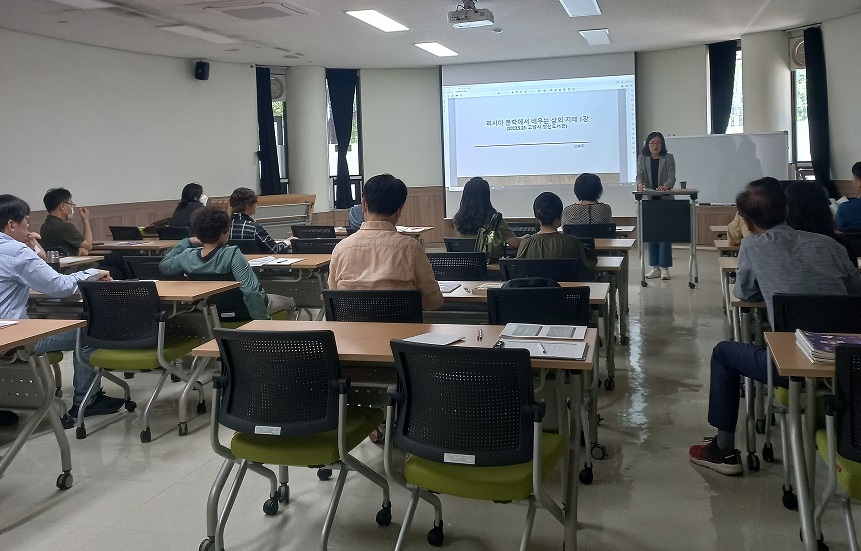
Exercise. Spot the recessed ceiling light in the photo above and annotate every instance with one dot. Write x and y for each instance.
(86, 4)
(436, 49)
(581, 8)
(596, 37)
(378, 20)
(194, 32)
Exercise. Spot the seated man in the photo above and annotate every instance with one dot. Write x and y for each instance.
(849, 213)
(774, 259)
(58, 234)
(22, 268)
(549, 242)
(243, 201)
(377, 256)
(211, 226)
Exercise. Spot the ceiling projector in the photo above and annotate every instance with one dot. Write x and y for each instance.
(468, 16)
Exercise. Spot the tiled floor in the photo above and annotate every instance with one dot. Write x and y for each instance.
(646, 495)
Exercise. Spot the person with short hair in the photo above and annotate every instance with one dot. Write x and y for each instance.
(191, 200)
(775, 258)
(589, 210)
(211, 227)
(23, 268)
(849, 213)
(476, 212)
(549, 242)
(243, 202)
(57, 232)
(656, 169)
(377, 256)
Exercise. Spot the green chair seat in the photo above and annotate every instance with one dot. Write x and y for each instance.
(781, 396)
(54, 357)
(505, 483)
(135, 359)
(313, 449)
(848, 472)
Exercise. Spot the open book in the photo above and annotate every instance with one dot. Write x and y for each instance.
(549, 349)
(819, 347)
(535, 331)
(272, 261)
(6, 323)
(482, 289)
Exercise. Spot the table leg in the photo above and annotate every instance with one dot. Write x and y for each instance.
(622, 286)
(573, 456)
(799, 465)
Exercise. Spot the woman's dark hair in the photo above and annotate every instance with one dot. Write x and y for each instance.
(242, 198)
(856, 169)
(12, 208)
(209, 223)
(809, 208)
(190, 194)
(587, 187)
(763, 203)
(384, 194)
(547, 208)
(646, 151)
(475, 209)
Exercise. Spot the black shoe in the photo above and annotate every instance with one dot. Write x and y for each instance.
(8, 418)
(102, 405)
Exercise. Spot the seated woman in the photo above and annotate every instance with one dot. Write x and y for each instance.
(243, 202)
(548, 242)
(808, 210)
(475, 213)
(191, 200)
(211, 225)
(588, 189)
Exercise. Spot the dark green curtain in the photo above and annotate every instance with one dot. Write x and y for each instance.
(270, 177)
(721, 79)
(342, 90)
(817, 109)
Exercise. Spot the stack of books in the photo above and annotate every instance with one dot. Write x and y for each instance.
(819, 347)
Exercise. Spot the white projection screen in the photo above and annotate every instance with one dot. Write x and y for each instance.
(535, 125)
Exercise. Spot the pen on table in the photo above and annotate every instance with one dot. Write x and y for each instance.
(479, 334)
(543, 351)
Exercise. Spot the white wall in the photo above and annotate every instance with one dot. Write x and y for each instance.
(766, 82)
(842, 47)
(401, 125)
(118, 127)
(308, 156)
(672, 92)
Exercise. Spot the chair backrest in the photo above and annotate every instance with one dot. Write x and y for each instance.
(313, 231)
(120, 314)
(318, 245)
(823, 314)
(853, 239)
(523, 228)
(387, 306)
(595, 231)
(459, 266)
(173, 232)
(146, 267)
(474, 402)
(278, 383)
(459, 244)
(230, 305)
(125, 233)
(522, 282)
(548, 305)
(557, 269)
(247, 246)
(847, 387)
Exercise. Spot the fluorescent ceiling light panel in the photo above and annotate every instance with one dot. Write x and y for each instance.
(596, 37)
(194, 32)
(86, 4)
(581, 8)
(436, 49)
(378, 20)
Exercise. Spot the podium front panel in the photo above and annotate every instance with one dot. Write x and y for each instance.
(666, 221)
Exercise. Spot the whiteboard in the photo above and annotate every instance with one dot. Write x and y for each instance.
(721, 165)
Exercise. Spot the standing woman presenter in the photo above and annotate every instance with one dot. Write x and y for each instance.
(656, 169)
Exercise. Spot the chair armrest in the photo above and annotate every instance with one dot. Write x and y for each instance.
(829, 403)
(342, 384)
(538, 410)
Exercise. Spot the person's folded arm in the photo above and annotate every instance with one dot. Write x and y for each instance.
(170, 263)
(746, 286)
(426, 282)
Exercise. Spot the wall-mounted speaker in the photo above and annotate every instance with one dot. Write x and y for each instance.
(201, 70)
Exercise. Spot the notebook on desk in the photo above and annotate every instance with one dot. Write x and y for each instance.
(448, 286)
(562, 350)
(532, 330)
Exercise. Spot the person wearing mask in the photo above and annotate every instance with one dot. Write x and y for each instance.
(58, 233)
(656, 170)
(191, 200)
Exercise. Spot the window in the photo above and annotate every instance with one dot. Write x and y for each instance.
(799, 108)
(280, 137)
(736, 114)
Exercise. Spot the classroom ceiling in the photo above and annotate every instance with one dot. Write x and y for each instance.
(318, 32)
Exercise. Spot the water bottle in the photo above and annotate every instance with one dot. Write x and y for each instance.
(53, 259)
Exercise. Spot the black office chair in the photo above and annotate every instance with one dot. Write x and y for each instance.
(557, 269)
(387, 306)
(313, 231)
(546, 306)
(853, 240)
(351, 230)
(173, 232)
(248, 246)
(459, 266)
(125, 233)
(521, 229)
(595, 231)
(146, 267)
(459, 244)
(318, 245)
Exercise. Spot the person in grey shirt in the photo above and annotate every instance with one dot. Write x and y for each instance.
(774, 259)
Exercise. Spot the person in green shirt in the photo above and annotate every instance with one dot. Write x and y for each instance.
(57, 233)
(549, 242)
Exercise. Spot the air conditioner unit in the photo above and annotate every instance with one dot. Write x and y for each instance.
(796, 53)
(278, 87)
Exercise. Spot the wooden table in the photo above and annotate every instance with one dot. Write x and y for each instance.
(303, 280)
(724, 248)
(307, 262)
(368, 344)
(625, 231)
(26, 333)
(67, 262)
(192, 291)
(416, 232)
(728, 266)
(147, 245)
(719, 231)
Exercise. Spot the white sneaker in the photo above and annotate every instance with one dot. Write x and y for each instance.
(665, 273)
(654, 274)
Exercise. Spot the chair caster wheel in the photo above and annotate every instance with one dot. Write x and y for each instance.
(586, 475)
(820, 542)
(284, 493)
(624, 340)
(768, 453)
(182, 429)
(610, 383)
(760, 426)
(206, 545)
(644, 284)
(81, 432)
(752, 462)
(384, 515)
(598, 452)
(790, 500)
(59, 392)
(692, 285)
(64, 481)
(435, 536)
(270, 507)
(131, 406)
(201, 408)
(128, 375)
(324, 474)
(146, 436)
(67, 422)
